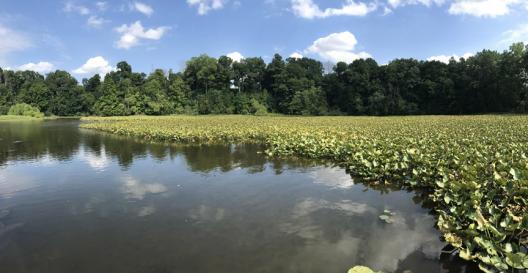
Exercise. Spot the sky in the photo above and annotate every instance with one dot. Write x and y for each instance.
(90, 37)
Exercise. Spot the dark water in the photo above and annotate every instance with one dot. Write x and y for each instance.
(73, 200)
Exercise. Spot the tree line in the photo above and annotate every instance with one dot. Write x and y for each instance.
(488, 82)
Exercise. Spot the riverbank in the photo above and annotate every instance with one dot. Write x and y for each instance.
(28, 118)
(18, 118)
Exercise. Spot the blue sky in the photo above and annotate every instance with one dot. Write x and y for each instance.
(88, 37)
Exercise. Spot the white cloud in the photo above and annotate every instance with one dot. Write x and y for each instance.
(132, 34)
(72, 7)
(296, 55)
(309, 10)
(337, 47)
(447, 58)
(40, 67)
(95, 65)
(101, 6)
(428, 3)
(519, 34)
(235, 56)
(11, 41)
(482, 8)
(143, 8)
(204, 6)
(95, 22)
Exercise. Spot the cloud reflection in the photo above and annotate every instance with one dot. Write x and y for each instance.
(134, 189)
(303, 224)
(207, 214)
(332, 177)
(98, 162)
(371, 242)
(146, 211)
(13, 182)
(390, 244)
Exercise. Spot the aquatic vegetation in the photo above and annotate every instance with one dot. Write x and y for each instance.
(475, 168)
(386, 216)
(361, 269)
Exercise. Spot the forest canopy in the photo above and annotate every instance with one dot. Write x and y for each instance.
(488, 82)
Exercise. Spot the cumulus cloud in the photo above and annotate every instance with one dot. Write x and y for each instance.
(72, 7)
(40, 67)
(447, 58)
(296, 55)
(337, 47)
(101, 5)
(95, 65)
(310, 10)
(519, 34)
(95, 22)
(235, 56)
(132, 34)
(204, 6)
(12, 40)
(482, 8)
(143, 8)
(428, 3)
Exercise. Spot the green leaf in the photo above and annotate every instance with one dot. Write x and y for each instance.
(360, 269)
(516, 260)
(513, 172)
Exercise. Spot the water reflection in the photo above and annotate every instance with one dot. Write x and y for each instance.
(333, 177)
(134, 189)
(75, 200)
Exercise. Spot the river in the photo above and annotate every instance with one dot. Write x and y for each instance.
(74, 200)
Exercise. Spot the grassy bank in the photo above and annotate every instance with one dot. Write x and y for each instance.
(28, 118)
(476, 167)
(18, 118)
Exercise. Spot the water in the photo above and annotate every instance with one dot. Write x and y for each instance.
(74, 200)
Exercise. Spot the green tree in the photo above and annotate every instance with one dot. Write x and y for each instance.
(200, 73)
(109, 104)
(275, 81)
(35, 93)
(66, 94)
(224, 74)
(179, 94)
(311, 101)
(154, 94)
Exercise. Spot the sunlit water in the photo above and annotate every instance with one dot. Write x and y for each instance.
(74, 200)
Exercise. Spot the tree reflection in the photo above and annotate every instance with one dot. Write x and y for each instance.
(32, 140)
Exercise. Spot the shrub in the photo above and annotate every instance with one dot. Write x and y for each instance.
(24, 109)
(257, 108)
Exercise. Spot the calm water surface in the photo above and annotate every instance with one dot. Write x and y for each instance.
(74, 200)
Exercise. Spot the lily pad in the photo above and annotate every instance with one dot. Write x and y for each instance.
(387, 216)
(360, 269)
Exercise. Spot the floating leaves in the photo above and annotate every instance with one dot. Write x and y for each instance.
(386, 216)
(361, 269)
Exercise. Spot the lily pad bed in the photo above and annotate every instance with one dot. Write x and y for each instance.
(475, 167)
